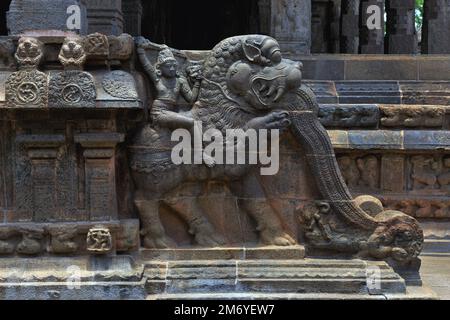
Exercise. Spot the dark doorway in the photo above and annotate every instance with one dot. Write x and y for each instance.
(198, 24)
(4, 6)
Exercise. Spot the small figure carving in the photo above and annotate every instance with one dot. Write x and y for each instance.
(349, 171)
(99, 240)
(311, 221)
(31, 243)
(444, 177)
(170, 85)
(97, 46)
(63, 240)
(6, 244)
(424, 170)
(370, 172)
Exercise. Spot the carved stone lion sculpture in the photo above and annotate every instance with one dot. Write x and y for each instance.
(248, 85)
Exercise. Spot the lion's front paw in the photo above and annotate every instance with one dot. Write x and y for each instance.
(277, 238)
(275, 120)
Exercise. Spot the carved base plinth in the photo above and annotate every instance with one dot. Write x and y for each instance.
(122, 277)
(81, 278)
(276, 279)
(235, 253)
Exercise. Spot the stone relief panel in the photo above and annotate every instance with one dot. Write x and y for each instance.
(412, 116)
(438, 208)
(360, 172)
(349, 116)
(429, 173)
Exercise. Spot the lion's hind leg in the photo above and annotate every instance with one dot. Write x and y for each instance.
(152, 228)
(190, 210)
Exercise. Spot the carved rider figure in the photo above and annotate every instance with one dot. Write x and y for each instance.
(169, 85)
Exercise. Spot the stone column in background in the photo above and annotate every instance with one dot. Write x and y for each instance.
(335, 26)
(105, 16)
(132, 15)
(39, 15)
(320, 26)
(371, 38)
(350, 26)
(264, 16)
(436, 27)
(401, 37)
(291, 25)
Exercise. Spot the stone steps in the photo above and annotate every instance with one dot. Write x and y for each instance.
(308, 276)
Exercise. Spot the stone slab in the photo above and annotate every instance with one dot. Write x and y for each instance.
(267, 253)
(270, 277)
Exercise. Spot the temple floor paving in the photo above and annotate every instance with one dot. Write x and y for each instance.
(435, 273)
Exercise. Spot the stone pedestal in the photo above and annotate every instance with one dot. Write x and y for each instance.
(401, 37)
(35, 15)
(291, 25)
(132, 15)
(435, 38)
(105, 16)
(350, 26)
(371, 35)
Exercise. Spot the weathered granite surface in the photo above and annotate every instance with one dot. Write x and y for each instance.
(35, 15)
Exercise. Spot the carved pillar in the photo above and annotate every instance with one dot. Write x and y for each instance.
(436, 26)
(320, 26)
(264, 16)
(350, 26)
(291, 25)
(132, 15)
(105, 16)
(335, 26)
(99, 188)
(36, 183)
(371, 33)
(401, 35)
(34, 15)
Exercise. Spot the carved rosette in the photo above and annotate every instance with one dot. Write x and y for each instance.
(120, 84)
(27, 89)
(72, 89)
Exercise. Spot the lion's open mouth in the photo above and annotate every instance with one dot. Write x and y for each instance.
(268, 90)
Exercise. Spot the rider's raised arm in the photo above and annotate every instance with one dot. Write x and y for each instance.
(188, 94)
(148, 67)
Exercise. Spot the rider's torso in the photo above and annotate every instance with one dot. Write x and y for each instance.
(168, 89)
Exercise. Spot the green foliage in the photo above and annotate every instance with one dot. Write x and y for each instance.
(419, 14)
